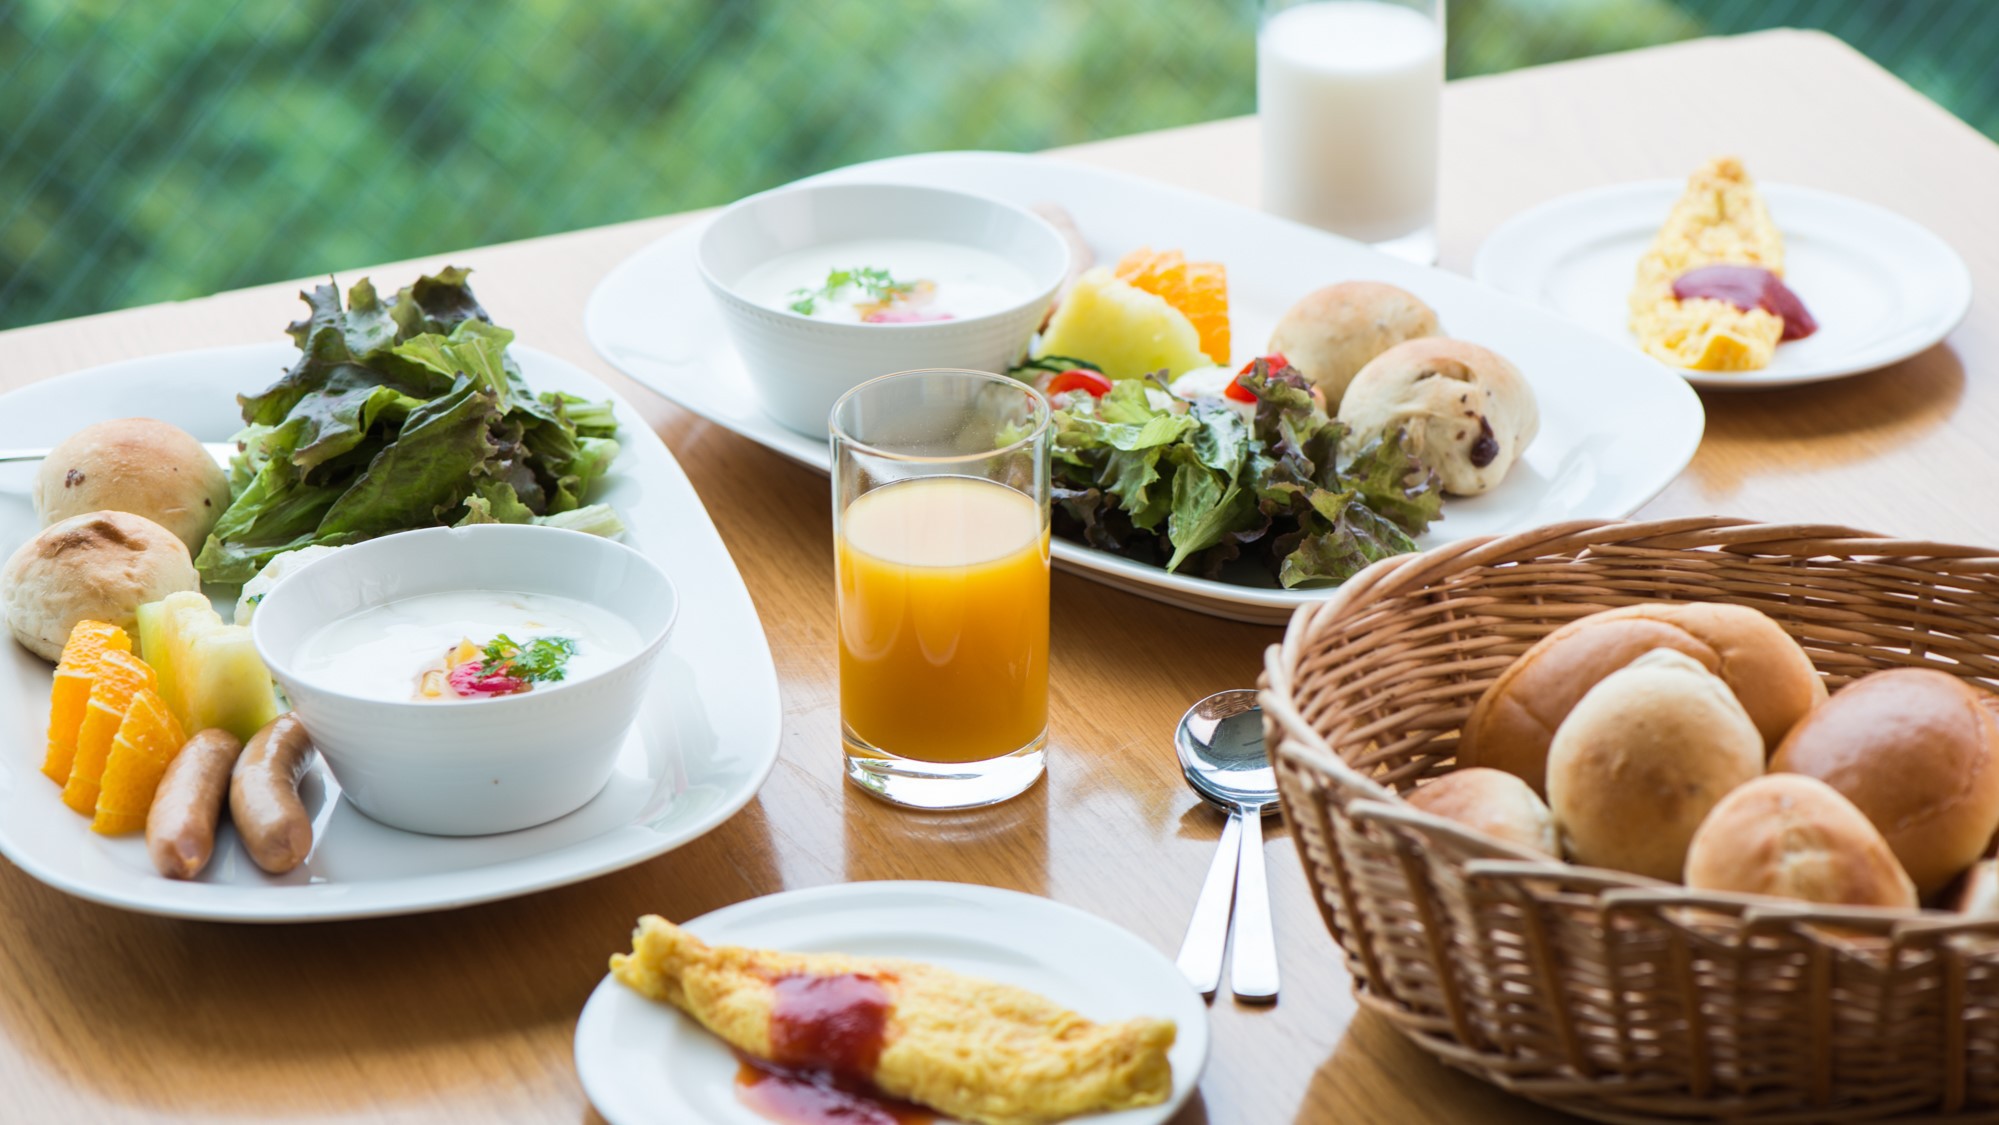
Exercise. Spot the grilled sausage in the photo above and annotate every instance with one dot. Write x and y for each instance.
(263, 795)
(180, 827)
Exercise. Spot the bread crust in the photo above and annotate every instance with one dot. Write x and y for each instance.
(1464, 410)
(1794, 836)
(1331, 333)
(101, 566)
(1915, 750)
(1641, 760)
(138, 465)
(1493, 802)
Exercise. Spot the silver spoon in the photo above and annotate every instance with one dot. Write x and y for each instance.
(1220, 744)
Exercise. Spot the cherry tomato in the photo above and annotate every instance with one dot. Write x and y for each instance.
(1240, 393)
(1078, 379)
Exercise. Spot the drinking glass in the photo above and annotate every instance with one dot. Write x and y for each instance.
(940, 539)
(1347, 93)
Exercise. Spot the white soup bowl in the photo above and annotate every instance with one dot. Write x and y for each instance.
(470, 767)
(801, 365)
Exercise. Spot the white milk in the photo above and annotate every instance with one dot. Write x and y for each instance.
(1347, 92)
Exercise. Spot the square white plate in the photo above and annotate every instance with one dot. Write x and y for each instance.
(701, 748)
(1615, 426)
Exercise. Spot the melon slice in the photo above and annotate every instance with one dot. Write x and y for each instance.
(1122, 329)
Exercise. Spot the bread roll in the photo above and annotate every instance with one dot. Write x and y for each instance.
(1979, 893)
(1642, 758)
(137, 465)
(1913, 748)
(1497, 804)
(100, 566)
(1794, 836)
(1466, 411)
(1331, 333)
(1513, 722)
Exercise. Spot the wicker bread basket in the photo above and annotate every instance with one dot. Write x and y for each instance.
(1601, 993)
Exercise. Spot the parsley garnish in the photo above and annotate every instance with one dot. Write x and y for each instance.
(542, 659)
(875, 283)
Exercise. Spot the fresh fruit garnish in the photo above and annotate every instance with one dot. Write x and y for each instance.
(1200, 290)
(1123, 330)
(70, 694)
(146, 742)
(1079, 379)
(209, 672)
(120, 676)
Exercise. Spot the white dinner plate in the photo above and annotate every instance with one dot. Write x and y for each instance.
(1881, 287)
(701, 748)
(1616, 427)
(644, 1062)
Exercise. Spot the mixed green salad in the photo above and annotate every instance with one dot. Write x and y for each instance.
(1197, 487)
(398, 414)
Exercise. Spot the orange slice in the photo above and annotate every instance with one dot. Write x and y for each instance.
(120, 675)
(146, 741)
(1200, 290)
(75, 672)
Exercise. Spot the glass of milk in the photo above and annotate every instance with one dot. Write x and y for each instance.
(1347, 92)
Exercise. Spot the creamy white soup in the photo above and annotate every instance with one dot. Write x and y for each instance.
(887, 281)
(465, 645)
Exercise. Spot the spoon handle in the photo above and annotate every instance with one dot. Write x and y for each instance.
(1255, 972)
(1208, 933)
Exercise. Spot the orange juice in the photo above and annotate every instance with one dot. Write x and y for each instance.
(944, 619)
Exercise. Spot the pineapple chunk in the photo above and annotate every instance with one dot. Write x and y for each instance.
(1122, 329)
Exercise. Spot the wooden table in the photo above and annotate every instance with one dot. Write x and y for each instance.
(467, 1016)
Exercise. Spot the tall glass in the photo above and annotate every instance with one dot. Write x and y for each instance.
(1347, 92)
(940, 536)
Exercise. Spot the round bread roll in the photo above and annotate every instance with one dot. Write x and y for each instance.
(1331, 333)
(1794, 836)
(1514, 721)
(1979, 893)
(99, 567)
(137, 465)
(1642, 759)
(1467, 412)
(1914, 749)
(1497, 804)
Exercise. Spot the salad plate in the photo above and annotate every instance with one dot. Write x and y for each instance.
(1881, 287)
(641, 1061)
(705, 739)
(1616, 427)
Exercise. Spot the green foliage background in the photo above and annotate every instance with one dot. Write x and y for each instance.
(161, 149)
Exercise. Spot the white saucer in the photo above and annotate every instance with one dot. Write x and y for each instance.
(642, 1061)
(1881, 287)
(701, 748)
(1616, 428)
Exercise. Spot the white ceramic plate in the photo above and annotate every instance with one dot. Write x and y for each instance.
(703, 745)
(644, 1062)
(1615, 426)
(1881, 287)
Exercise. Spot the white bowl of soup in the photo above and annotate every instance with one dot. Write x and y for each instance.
(825, 286)
(471, 680)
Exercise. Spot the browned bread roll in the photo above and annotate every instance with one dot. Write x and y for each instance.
(1331, 333)
(1794, 836)
(1498, 804)
(1641, 759)
(100, 566)
(1913, 748)
(1512, 724)
(1466, 411)
(139, 465)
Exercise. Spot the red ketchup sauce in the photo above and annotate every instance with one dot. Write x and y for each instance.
(1749, 287)
(826, 1033)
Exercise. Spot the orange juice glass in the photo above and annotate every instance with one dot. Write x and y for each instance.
(940, 529)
